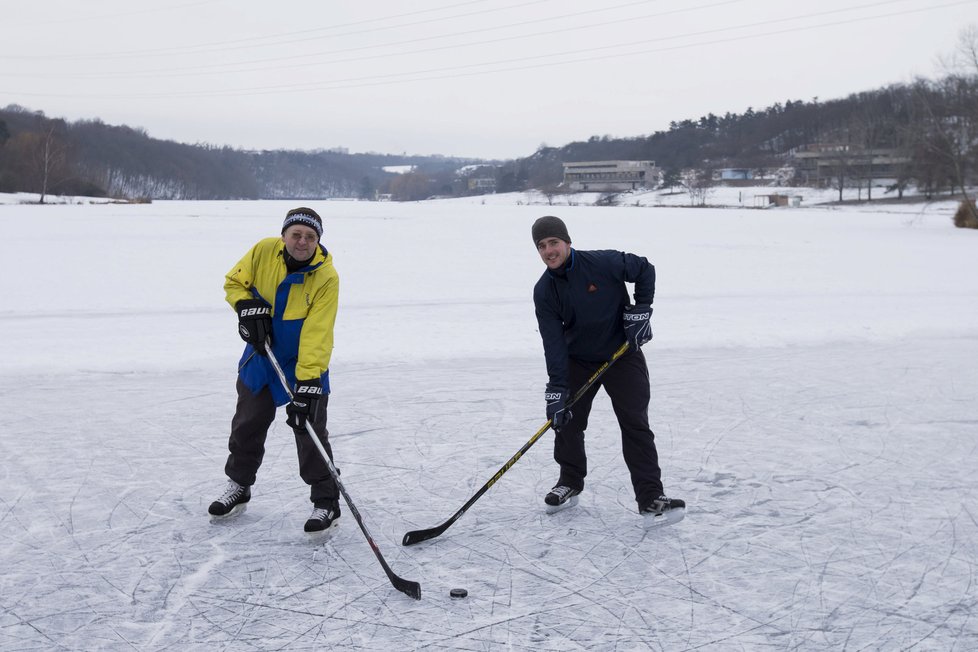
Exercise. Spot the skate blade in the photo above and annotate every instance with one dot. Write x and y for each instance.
(323, 534)
(670, 517)
(553, 509)
(237, 510)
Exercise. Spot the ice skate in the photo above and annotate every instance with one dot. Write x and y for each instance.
(663, 511)
(232, 502)
(322, 519)
(560, 498)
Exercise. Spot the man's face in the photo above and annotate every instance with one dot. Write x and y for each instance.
(553, 252)
(300, 241)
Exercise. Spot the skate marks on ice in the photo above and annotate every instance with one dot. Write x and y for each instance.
(829, 493)
(843, 481)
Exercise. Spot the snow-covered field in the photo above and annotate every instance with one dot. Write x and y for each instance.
(815, 401)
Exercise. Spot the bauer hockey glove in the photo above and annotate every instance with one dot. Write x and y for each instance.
(305, 403)
(254, 322)
(638, 324)
(557, 410)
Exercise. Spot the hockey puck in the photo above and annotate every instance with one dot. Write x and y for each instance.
(458, 593)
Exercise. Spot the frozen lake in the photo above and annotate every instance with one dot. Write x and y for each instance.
(814, 398)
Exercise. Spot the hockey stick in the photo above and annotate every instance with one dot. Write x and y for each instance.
(408, 587)
(417, 536)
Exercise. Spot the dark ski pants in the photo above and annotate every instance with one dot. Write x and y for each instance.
(627, 385)
(249, 429)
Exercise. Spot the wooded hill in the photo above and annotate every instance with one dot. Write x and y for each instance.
(88, 157)
(933, 122)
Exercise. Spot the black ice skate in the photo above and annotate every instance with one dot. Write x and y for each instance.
(560, 498)
(663, 511)
(323, 518)
(232, 502)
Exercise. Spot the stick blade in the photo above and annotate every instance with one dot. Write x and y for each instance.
(417, 536)
(412, 589)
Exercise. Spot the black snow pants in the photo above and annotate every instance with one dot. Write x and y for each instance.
(249, 429)
(627, 385)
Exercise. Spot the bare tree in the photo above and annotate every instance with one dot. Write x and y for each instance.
(50, 157)
(411, 186)
(697, 184)
(550, 191)
(949, 111)
(37, 160)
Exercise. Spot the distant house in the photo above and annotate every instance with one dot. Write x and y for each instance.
(611, 176)
(733, 174)
(777, 199)
(821, 163)
(482, 184)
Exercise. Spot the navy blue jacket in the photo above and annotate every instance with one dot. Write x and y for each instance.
(579, 307)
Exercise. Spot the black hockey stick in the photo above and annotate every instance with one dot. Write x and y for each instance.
(412, 589)
(417, 536)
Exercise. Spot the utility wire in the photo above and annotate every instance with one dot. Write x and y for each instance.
(291, 37)
(115, 16)
(225, 68)
(518, 64)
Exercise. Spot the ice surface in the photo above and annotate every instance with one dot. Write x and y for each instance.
(815, 402)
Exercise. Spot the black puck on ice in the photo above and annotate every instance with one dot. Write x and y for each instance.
(458, 593)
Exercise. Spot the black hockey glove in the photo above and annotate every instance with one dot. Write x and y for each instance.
(254, 322)
(638, 325)
(305, 403)
(557, 410)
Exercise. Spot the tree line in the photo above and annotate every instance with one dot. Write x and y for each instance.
(51, 156)
(932, 123)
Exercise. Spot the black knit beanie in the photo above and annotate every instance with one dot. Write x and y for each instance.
(549, 226)
(305, 217)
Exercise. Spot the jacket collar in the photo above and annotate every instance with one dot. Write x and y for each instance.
(566, 267)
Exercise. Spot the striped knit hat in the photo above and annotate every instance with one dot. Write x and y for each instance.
(305, 217)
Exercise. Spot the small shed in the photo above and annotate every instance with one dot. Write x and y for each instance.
(767, 201)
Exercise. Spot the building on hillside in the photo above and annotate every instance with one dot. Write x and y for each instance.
(482, 184)
(824, 163)
(733, 174)
(746, 176)
(611, 176)
(776, 199)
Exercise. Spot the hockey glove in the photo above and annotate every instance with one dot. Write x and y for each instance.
(305, 403)
(557, 410)
(638, 326)
(254, 322)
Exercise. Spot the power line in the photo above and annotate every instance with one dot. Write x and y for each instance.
(290, 37)
(115, 16)
(224, 68)
(519, 64)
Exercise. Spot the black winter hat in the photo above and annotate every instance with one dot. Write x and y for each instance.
(305, 217)
(549, 226)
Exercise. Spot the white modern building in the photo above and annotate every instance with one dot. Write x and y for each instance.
(611, 176)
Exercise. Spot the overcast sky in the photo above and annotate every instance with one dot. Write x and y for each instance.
(475, 78)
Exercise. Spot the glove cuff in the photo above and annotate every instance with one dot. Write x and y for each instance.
(309, 388)
(253, 308)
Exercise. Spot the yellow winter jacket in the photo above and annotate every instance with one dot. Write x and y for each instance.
(303, 314)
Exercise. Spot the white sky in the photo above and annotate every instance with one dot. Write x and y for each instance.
(480, 78)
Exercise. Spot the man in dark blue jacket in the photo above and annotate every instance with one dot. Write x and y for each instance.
(584, 314)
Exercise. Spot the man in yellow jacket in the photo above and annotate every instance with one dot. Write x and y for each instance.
(284, 290)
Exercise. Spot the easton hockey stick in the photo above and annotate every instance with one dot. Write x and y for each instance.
(408, 587)
(417, 536)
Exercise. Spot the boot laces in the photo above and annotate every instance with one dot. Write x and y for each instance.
(320, 514)
(233, 492)
(561, 491)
